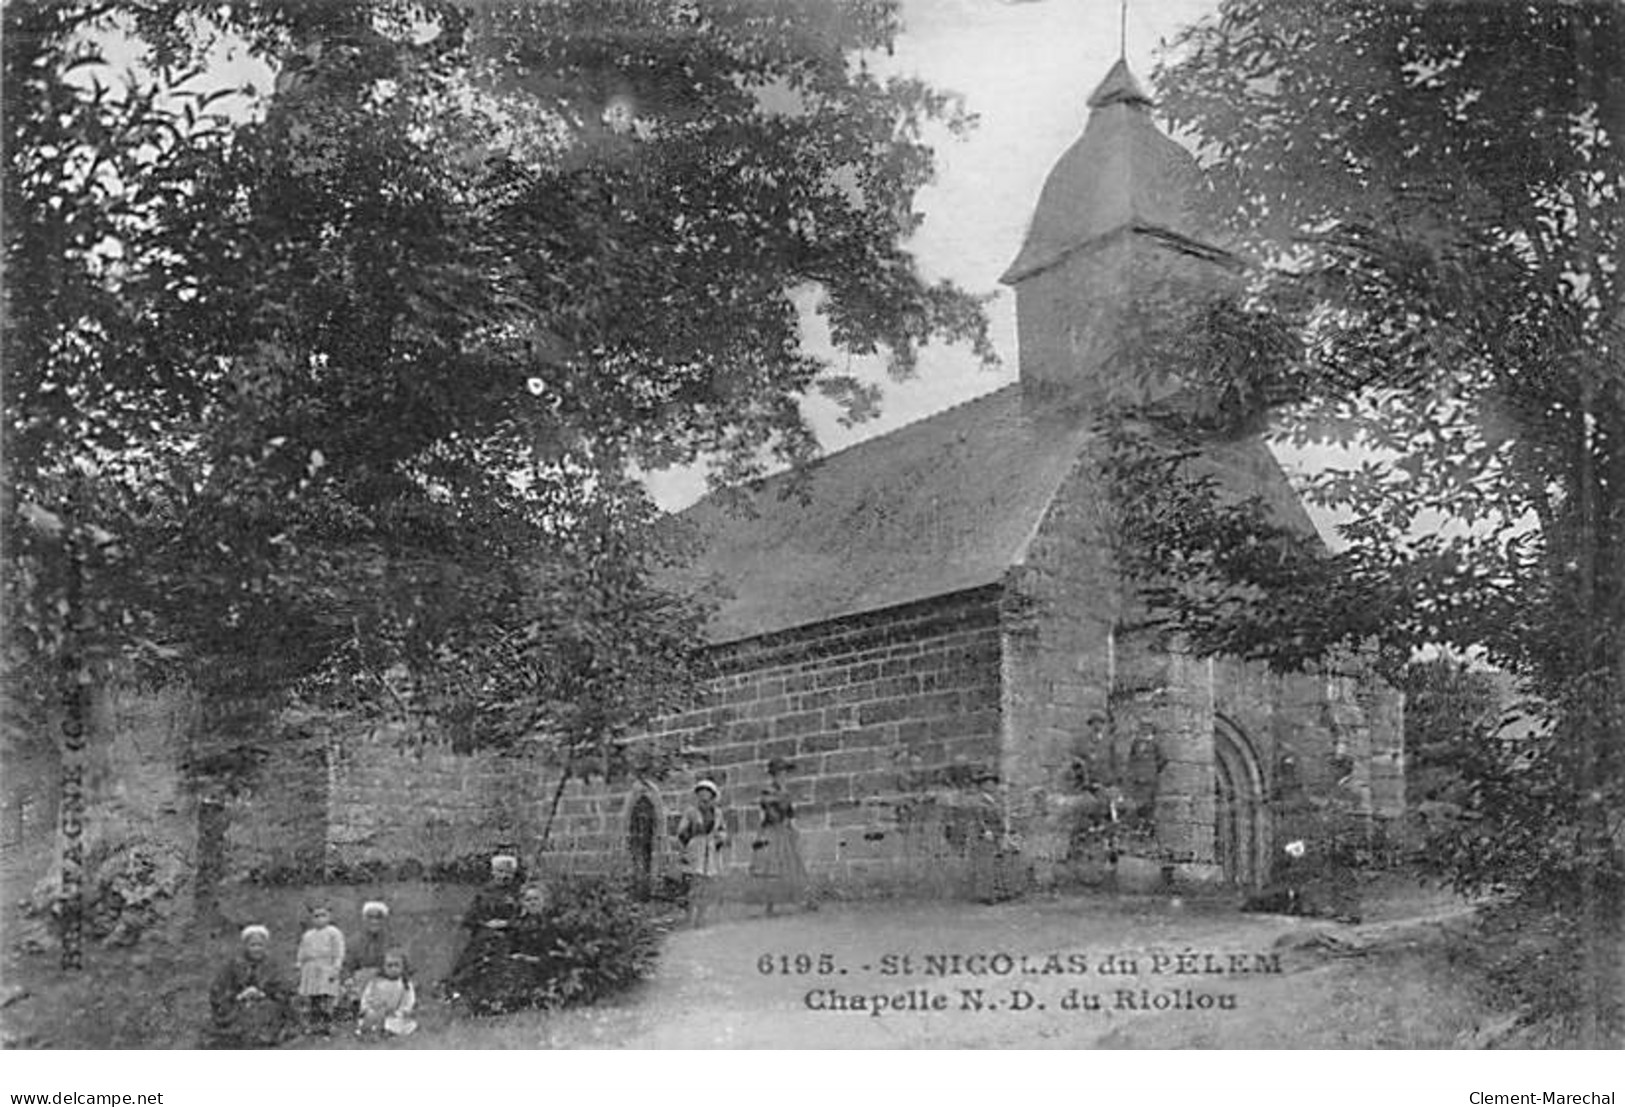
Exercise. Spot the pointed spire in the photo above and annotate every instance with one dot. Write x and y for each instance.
(1122, 172)
(1119, 87)
(1114, 233)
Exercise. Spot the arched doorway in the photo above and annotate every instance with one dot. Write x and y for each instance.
(640, 841)
(1241, 817)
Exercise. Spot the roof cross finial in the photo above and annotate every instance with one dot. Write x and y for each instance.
(1122, 30)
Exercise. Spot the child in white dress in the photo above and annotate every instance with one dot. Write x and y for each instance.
(321, 961)
(388, 999)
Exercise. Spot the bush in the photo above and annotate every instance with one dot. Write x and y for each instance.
(129, 890)
(471, 868)
(669, 889)
(593, 942)
(607, 941)
(1531, 958)
(136, 890)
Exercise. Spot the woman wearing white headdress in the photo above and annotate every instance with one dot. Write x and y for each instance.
(250, 1003)
(489, 919)
(364, 958)
(703, 836)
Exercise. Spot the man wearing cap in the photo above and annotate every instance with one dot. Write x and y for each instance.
(703, 837)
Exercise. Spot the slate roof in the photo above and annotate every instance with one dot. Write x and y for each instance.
(1121, 173)
(941, 505)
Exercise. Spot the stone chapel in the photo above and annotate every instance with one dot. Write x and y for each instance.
(934, 633)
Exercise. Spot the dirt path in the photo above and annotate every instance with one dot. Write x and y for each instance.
(1034, 973)
(1030, 975)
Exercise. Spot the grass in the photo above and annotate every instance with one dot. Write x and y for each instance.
(155, 995)
(1417, 993)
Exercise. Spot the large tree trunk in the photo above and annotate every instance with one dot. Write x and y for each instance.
(1602, 604)
(213, 822)
(233, 740)
(72, 720)
(1602, 567)
(73, 810)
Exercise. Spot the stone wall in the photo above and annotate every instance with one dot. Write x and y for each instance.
(30, 786)
(886, 717)
(1384, 708)
(1103, 744)
(136, 831)
(138, 791)
(138, 740)
(1058, 670)
(278, 820)
(1076, 321)
(396, 795)
(1111, 738)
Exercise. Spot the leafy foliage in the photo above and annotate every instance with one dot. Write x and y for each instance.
(132, 889)
(1450, 710)
(1439, 254)
(1429, 195)
(342, 386)
(607, 940)
(1533, 961)
(593, 941)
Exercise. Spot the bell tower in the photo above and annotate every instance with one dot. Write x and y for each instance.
(1112, 242)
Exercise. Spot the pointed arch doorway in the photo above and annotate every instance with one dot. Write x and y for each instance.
(1241, 815)
(640, 841)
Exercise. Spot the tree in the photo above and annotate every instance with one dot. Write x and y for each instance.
(1428, 195)
(1451, 711)
(341, 388)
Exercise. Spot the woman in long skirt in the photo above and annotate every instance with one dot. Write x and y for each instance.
(703, 836)
(490, 918)
(778, 874)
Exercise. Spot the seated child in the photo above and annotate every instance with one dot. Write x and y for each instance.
(321, 957)
(249, 1002)
(388, 999)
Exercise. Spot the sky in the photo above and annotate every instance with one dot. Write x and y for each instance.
(1025, 67)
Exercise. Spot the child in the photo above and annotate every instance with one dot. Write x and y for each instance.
(388, 999)
(321, 956)
(248, 1001)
